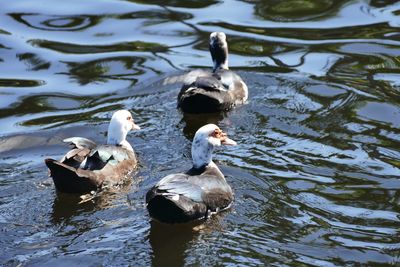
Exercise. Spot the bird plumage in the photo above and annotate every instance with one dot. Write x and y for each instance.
(88, 166)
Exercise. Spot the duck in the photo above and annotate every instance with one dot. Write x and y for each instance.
(204, 92)
(90, 167)
(199, 192)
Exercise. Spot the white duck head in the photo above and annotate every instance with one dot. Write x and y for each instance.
(120, 125)
(219, 50)
(205, 139)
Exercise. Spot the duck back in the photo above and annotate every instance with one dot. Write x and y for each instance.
(193, 195)
(212, 92)
(88, 168)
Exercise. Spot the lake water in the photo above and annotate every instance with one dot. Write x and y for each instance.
(316, 172)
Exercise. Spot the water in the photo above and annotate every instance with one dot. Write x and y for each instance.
(316, 169)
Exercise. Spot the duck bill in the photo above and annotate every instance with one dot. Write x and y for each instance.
(228, 142)
(135, 126)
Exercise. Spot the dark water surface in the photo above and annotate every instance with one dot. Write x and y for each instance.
(316, 170)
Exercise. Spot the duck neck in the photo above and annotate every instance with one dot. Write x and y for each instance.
(201, 153)
(117, 136)
(219, 55)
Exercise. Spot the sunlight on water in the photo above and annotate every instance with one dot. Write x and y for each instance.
(316, 168)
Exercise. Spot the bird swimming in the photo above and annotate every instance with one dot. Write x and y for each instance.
(219, 90)
(88, 167)
(197, 193)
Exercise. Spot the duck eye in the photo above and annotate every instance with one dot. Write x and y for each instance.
(216, 133)
(128, 118)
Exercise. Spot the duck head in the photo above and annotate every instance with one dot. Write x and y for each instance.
(205, 139)
(219, 50)
(120, 125)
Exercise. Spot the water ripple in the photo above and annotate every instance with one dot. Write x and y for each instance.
(315, 172)
(56, 23)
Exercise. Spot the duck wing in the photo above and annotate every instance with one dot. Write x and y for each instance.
(211, 92)
(205, 94)
(234, 84)
(205, 80)
(209, 83)
(105, 154)
(80, 142)
(182, 197)
(179, 184)
(81, 149)
(198, 188)
(227, 78)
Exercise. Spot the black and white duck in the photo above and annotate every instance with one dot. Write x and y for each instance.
(219, 90)
(198, 193)
(88, 167)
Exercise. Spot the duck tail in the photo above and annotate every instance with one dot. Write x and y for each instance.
(165, 209)
(200, 100)
(66, 178)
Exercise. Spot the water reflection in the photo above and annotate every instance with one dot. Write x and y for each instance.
(382, 3)
(20, 83)
(169, 243)
(67, 206)
(177, 3)
(56, 23)
(103, 70)
(155, 17)
(295, 10)
(316, 169)
(193, 122)
(34, 62)
(70, 48)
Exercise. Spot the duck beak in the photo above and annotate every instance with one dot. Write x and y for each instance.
(135, 126)
(227, 141)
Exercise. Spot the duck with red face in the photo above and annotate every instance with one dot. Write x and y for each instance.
(198, 193)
